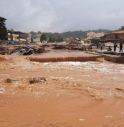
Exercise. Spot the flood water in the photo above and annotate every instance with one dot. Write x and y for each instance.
(82, 94)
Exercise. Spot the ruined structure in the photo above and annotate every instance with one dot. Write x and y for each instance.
(18, 36)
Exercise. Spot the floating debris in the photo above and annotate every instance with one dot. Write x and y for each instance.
(11, 81)
(2, 90)
(37, 80)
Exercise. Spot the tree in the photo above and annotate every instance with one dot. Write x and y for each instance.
(43, 38)
(59, 39)
(3, 29)
(52, 39)
(32, 40)
(39, 32)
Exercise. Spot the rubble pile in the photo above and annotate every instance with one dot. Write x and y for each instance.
(72, 46)
(36, 80)
(21, 49)
(3, 50)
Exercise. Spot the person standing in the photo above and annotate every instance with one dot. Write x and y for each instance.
(115, 46)
(121, 47)
(102, 46)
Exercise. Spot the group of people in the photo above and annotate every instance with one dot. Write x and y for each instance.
(120, 47)
(100, 45)
(116, 45)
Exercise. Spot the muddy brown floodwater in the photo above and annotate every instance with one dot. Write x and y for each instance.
(61, 94)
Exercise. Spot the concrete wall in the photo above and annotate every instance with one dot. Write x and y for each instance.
(115, 59)
(63, 59)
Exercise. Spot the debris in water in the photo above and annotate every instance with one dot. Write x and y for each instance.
(120, 89)
(37, 80)
(8, 80)
(2, 90)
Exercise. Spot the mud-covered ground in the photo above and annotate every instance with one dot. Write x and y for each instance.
(63, 94)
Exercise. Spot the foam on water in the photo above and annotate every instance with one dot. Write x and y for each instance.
(2, 90)
(97, 66)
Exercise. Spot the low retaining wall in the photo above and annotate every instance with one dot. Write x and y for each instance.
(64, 59)
(2, 58)
(114, 59)
(110, 58)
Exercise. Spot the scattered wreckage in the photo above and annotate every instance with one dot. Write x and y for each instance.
(28, 50)
(72, 46)
(21, 49)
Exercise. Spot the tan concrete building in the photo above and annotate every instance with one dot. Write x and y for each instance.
(18, 36)
(114, 35)
(92, 35)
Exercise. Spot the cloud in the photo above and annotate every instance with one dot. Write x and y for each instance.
(27, 15)
(64, 15)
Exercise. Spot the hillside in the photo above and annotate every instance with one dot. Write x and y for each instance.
(69, 34)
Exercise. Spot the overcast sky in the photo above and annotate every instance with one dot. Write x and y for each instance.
(62, 15)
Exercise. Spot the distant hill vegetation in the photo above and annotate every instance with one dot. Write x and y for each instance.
(62, 36)
(80, 34)
(74, 34)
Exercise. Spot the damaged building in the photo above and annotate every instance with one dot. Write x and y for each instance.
(18, 36)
